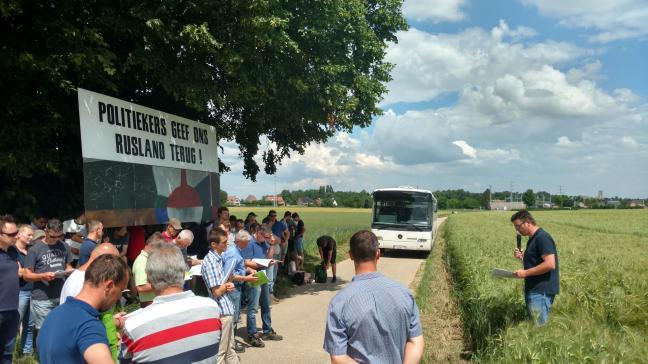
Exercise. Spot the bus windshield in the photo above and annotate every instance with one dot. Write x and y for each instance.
(403, 208)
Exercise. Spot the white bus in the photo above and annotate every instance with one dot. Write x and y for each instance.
(404, 218)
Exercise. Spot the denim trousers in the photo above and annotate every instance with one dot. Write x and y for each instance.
(9, 322)
(258, 296)
(538, 306)
(235, 296)
(27, 322)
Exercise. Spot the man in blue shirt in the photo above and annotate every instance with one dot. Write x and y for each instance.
(95, 233)
(259, 295)
(374, 319)
(9, 286)
(540, 273)
(243, 272)
(72, 332)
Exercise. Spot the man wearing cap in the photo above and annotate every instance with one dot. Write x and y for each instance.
(173, 229)
(48, 263)
(9, 288)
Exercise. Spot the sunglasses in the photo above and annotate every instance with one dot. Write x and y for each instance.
(56, 236)
(11, 235)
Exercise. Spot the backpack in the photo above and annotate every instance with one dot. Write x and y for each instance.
(298, 278)
(320, 274)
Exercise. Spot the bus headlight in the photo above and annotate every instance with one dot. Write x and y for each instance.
(422, 240)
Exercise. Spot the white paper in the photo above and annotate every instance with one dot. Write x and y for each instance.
(194, 271)
(502, 273)
(262, 262)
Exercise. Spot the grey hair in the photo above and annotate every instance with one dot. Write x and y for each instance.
(243, 236)
(186, 234)
(165, 268)
(265, 229)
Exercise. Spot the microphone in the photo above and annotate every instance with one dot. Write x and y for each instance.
(518, 238)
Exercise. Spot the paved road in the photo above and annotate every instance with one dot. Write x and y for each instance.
(301, 318)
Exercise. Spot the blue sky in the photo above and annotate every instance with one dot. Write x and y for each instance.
(540, 94)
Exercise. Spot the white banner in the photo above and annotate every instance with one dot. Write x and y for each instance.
(117, 130)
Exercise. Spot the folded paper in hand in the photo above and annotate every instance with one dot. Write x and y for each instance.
(194, 271)
(502, 273)
(263, 279)
(262, 262)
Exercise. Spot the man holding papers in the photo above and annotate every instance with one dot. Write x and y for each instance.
(258, 295)
(242, 272)
(540, 273)
(218, 285)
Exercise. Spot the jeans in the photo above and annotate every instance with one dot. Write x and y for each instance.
(538, 306)
(27, 336)
(39, 309)
(9, 322)
(258, 296)
(235, 296)
(272, 273)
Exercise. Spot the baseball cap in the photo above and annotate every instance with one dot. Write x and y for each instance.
(38, 234)
(175, 223)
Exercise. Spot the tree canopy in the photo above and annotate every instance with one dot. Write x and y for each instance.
(294, 71)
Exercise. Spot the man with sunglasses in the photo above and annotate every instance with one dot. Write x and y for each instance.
(48, 263)
(540, 273)
(174, 227)
(9, 287)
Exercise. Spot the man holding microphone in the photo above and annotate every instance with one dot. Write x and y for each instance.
(540, 273)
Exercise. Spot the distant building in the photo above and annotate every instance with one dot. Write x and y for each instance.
(279, 199)
(503, 205)
(304, 201)
(637, 203)
(233, 201)
(250, 199)
(599, 195)
(613, 203)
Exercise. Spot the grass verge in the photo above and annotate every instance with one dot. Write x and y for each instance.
(442, 326)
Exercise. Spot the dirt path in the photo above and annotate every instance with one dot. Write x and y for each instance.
(301, 318)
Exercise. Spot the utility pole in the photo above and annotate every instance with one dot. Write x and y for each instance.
(511, 193)
(274, 200)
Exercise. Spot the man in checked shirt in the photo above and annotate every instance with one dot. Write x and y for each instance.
(218, 286)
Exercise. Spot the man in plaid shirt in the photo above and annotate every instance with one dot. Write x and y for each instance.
(218, 286)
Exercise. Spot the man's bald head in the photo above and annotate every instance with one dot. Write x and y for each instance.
(103, 248)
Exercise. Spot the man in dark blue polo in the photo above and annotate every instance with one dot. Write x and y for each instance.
(374, 319)
(540, 273)
(258, 295)
(9, 285)
(90, 242)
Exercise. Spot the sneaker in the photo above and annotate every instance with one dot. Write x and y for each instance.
(333, 279)
(239, 348)
(272, 335)
(254, 340)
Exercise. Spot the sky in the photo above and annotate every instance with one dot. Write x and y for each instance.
(509, 94)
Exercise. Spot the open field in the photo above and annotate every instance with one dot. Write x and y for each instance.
(340, 223)
(601, 314)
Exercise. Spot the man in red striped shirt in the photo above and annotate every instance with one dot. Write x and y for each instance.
(178, 327)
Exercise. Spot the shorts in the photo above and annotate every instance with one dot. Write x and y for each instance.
(299, 246)
(325, 253)
(41, 308)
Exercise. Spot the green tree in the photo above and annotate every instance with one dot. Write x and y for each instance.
(222, 198)
(529, 198)
(293, 71)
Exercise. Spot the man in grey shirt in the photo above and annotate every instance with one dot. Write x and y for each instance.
(374, 319)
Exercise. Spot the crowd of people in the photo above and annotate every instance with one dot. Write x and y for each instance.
(61, 283)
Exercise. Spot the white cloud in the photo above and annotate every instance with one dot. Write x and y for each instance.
(612, 20)
(466, 149)
(435, 10)
(564, 141)
(629, 142)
